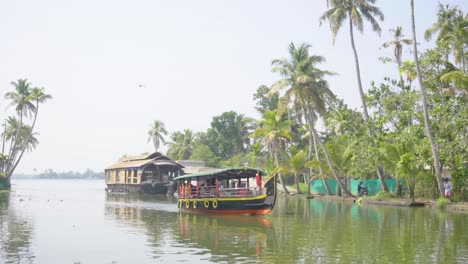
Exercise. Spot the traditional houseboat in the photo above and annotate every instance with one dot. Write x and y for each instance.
(151, 173)
(227, 191)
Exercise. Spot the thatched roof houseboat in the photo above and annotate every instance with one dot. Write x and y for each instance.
(148, 173)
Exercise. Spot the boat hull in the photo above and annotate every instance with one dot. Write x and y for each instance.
(252, 205)
(259, 205)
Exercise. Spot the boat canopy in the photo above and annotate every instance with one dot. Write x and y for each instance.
(230, 173)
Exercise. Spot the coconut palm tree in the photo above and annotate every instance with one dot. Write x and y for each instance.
(452, 27)
(296, 163)
(445, 20)
(274, 131)
(427, 121)
(304, 85)
(21, 100)
(38, 96)
(156, 133)
(182, 145)
(397, 43)
(355, 11)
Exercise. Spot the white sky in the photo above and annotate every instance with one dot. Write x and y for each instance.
(196, 60)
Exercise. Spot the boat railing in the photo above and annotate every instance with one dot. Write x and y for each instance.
(210, 192)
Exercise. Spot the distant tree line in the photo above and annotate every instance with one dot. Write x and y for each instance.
(50, 174)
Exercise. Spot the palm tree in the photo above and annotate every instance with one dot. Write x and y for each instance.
(354, 11)
(305, 86)
(274, 131)
(445, 20)
(397, 43)
(182, 145)
(244, 127)
(20, 99)
(427, 121)
(38, 96)
(452, 27)
(297, 165)
(156, 133)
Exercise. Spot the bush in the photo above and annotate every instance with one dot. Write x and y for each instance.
(460, 184)
(442, 202)
(382, 196)
(3, 182)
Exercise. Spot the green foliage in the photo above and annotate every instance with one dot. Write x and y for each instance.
(442, 202)
(203, 152)
(382, 196)
(3, 182)
(460, 183)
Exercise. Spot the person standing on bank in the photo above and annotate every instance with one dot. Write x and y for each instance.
(447, 188)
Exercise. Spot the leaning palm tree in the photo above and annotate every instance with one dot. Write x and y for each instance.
(156, 133)
(21, 100)
(274, 131)
(38, 96)
(303, 84)
(397, 43)
(355, 11)
(427, 121)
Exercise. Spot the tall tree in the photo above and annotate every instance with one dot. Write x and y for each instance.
(304, 85)
(427, 121)
(355, 11)
(182, 145)
(274, 131)
(397, 43)
(38, 96)
(157, 133)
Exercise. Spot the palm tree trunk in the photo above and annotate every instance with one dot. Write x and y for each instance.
(296, 179)
(325, 185)
(26, 142)
(279, 175)
(13, 151)
(327, 156)
(363, 101)
(427, 121)
(358, 72)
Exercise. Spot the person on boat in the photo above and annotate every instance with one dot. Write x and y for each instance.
(258, 180)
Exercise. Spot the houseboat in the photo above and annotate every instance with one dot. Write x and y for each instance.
(227, 191)
(150, 173)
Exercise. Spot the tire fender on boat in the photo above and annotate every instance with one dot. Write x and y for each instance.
(194, 205)
(215, 204)
(206, 203)
(187, 204)
(180, 203)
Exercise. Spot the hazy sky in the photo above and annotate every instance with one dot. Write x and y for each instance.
(195, 60)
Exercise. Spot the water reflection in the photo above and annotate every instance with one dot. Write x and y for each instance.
(15, 232)
(239, 239)
(60, 224)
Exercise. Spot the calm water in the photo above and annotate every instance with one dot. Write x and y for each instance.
(75, 221)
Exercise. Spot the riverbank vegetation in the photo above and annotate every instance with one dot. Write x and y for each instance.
(413, 124)
(18, 135)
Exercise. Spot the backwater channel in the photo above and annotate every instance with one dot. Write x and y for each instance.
(76, 221)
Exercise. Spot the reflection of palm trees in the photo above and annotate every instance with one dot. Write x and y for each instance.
(15, 234)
